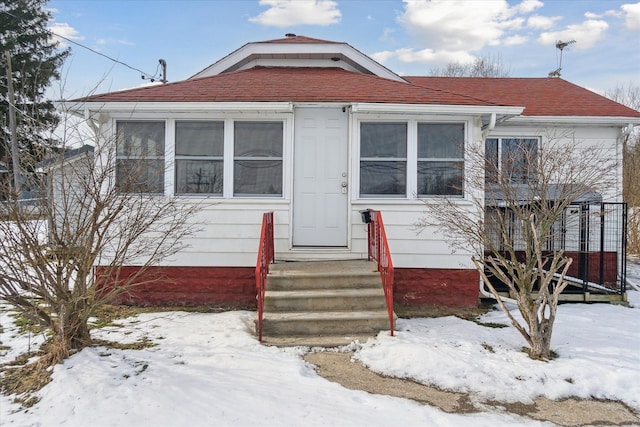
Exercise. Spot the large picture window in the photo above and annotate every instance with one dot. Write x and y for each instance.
(140, 156)
(440, 159)
(383, 159)
(199, 164)
(513, 158)
(257, 166)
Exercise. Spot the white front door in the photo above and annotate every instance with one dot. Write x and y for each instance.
(320, 177)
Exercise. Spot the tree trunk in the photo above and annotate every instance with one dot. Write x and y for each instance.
(540, 333)
(71, 334)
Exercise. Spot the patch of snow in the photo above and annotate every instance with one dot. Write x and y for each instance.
(209, 369)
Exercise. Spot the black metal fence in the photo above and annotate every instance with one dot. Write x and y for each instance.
(593, 234)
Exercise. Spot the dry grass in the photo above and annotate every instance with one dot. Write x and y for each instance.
(24, 380)
(140, 344)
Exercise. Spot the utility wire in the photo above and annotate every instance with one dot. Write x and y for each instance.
(144, 74)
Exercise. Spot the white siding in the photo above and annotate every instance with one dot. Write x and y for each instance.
(230, 227)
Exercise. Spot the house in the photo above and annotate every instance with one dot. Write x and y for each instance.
(316, 131)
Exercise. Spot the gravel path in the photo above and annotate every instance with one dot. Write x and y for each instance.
(339, 368)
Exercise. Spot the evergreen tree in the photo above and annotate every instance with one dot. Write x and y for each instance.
(35, 62)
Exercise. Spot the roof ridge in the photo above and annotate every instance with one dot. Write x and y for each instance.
(292, 38)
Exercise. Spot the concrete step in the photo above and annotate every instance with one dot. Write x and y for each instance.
(325, 300)
(328, 341)
(289, 276)
(325, 323)
(323, 303)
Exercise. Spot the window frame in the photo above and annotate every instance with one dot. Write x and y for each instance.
(236, 158)
(460, 160)
(142, 157)
(211, 158)
(412, 154)
(404, 160)
(500, 158)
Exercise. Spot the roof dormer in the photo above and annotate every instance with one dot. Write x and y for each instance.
(298, 51)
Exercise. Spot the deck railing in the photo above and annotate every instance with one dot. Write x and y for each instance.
(379, 252)
(266, 256)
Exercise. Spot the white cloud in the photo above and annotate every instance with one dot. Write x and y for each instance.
(459, 25)
(431, 56)
(105, 42)
(528, 6)
(455, 25)
(586, 34)
(632, 16)
(539, 22)
(387, 35)
(286, 13)
(612, 12)
(515, 40)
(65, 30)
(383, 56)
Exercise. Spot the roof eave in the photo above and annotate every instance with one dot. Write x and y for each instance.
(582, 120)
(178, 107)
(361, 107)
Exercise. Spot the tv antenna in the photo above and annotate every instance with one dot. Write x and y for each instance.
(560, 45)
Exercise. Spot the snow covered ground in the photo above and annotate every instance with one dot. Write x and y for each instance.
(208, 369)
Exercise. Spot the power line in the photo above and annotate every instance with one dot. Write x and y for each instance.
(144, 74)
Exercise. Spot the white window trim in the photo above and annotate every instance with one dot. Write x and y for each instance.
(412, 154)
(233, 159)
(176, 157)
(114, 131)
(227, 193)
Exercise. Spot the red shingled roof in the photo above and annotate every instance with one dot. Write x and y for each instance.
(291, 84)
(540, 96)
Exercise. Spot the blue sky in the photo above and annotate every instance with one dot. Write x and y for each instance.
(409, 37)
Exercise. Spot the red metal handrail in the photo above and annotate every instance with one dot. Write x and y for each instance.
(379, 252)
(266, 255)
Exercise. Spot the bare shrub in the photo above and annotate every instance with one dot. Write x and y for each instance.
(93, 215)
(528, 191)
